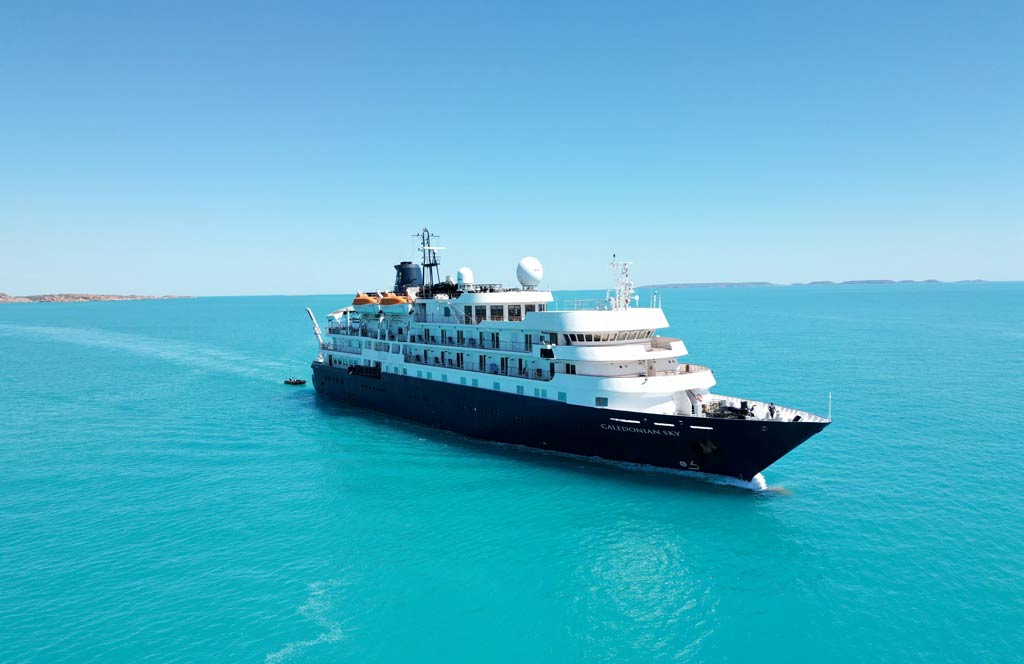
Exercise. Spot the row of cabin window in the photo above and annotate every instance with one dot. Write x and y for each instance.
(515, 311)
(520, 389)
(581, 337)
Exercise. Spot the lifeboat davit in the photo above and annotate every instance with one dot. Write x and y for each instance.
(396, 305)
(366, 304)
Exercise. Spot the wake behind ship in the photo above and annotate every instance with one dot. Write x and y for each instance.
(591, 379)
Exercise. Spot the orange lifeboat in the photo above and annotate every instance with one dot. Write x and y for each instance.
(366, 304)
(396, 304)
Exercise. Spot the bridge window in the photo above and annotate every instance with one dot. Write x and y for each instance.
(481, 313)
(497, 312)
(531, 307)
(515, 312)
(541, 307)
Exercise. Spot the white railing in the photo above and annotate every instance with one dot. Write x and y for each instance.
(760, 409)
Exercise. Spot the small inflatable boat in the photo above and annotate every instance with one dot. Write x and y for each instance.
(294, 381)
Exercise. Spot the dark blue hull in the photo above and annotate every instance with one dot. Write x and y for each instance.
(735, 448)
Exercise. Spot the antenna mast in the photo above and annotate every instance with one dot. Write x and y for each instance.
(624, 291)
(429, 259)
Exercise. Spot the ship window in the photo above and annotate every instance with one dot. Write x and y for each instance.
(481, 313)
(419, 374)
(601, 402)
(497, 312)
(515, 312)
(462, 380)
(430, 375)
(567, 339)
(497, 385)
(632, 335)
(405, 372)
(447, 311)
(541, 307)
(520, 389)
(544, 393)
(469, 314)
(536, 391)
(367, 344)
(444, 378)
(561, 396)
(622, 336)
(475, 382)
(589, 337)
(531, 307)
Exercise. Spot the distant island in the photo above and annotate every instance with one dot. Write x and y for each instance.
(81, 297)
(855, 282)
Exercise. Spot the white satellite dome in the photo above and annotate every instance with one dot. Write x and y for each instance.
(529, 272)
(464, 276)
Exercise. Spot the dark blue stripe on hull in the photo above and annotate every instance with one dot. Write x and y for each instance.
(736, 448)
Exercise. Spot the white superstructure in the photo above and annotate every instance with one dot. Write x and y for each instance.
(604, 354)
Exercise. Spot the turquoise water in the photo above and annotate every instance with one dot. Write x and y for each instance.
(164, 497)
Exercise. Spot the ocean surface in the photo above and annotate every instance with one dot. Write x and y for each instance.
(164, 497)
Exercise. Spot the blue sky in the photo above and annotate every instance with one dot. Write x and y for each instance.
(220, 148)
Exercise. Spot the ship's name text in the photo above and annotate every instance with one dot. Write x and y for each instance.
(651, 432)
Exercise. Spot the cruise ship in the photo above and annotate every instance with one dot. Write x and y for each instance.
(594, 379)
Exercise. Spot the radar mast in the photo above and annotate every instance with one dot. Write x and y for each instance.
(429, 257)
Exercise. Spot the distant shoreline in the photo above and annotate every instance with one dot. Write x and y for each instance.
(854, 282)
(82, 297)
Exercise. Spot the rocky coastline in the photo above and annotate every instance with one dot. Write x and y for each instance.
(81, 297)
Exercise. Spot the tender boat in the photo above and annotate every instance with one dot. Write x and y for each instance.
(396, 305)
(295, 381)
(366, 304)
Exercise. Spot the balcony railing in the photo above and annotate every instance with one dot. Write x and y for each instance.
(683, 369)
(471, 343)
(491, 370)
(354, 350)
